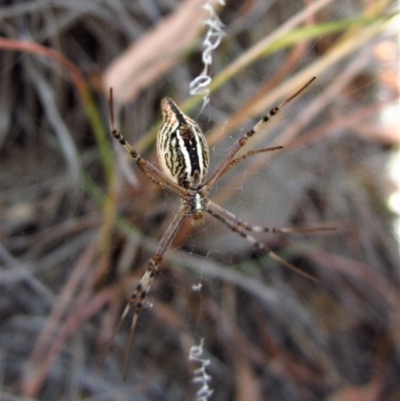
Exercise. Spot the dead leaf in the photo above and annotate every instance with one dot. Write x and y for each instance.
(369, 392)
(247, 385)
(154, 53)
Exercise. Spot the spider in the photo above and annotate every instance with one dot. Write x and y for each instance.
(183, 155)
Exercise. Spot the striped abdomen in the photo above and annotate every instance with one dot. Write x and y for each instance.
(181, 147)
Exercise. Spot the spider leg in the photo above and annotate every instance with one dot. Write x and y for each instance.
(242, 141)
(238, 226)
(285, 230)
(151, 172)
(246, 155)
(273, 230)
(139, 294)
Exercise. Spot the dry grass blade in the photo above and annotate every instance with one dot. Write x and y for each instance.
(68, 147)
(320, 66)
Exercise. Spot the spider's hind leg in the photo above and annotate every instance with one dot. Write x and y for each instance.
(248, 154)
(151, 172)
(230, 160)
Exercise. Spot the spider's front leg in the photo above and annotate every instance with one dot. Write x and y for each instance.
(262, 229)
(240, 227)
(139, 294)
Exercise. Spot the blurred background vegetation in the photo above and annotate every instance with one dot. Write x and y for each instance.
(78, 223)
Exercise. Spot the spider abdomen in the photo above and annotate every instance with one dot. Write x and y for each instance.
(181, 147)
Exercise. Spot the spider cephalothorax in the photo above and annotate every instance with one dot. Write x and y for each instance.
(184, 157)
